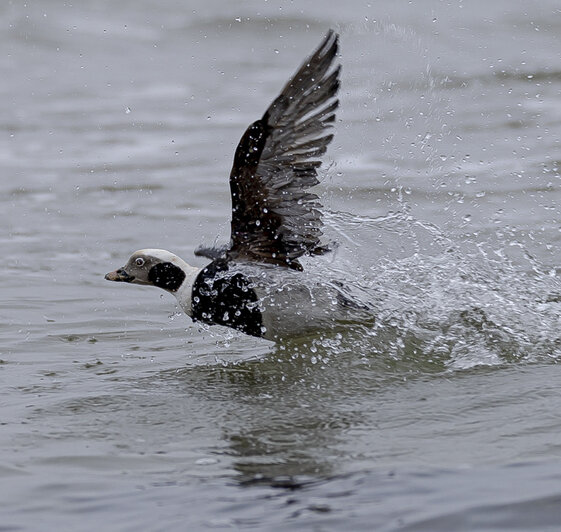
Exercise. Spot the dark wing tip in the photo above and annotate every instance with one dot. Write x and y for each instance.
(328, 48)
(330, 43)
(212, 253)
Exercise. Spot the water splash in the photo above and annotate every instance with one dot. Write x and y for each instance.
(455, 304)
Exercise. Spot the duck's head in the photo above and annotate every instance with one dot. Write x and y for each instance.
(155, 267)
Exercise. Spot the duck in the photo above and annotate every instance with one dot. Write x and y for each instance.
(257, 284)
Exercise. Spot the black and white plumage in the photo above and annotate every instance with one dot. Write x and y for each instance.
(275, 219)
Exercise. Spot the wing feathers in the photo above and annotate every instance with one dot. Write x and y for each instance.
(274, 218)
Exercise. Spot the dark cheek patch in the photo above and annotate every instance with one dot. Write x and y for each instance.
(167, 276)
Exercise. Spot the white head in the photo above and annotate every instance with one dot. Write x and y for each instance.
(155, 267)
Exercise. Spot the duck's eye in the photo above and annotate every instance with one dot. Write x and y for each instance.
(140, 261)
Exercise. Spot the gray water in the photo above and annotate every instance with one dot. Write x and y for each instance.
(442, 188)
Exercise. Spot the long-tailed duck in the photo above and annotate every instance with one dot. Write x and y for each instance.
(257, 284)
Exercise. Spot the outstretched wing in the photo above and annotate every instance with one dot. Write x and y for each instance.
(274, 217)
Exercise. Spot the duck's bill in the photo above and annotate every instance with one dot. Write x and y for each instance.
(120, 276)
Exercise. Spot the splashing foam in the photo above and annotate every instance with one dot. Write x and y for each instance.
(433, 301)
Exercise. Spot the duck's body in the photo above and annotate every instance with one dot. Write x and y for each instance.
(266, 301)
(261, 300)
(256, 284)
